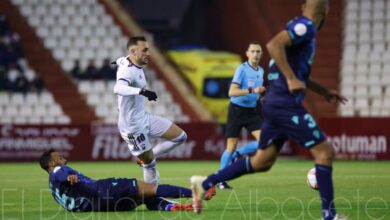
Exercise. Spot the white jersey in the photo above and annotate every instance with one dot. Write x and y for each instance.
(132, 115)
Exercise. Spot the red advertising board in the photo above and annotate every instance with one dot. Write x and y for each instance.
(355, 138)
(358, 138)
(100, 142)
(352, 138)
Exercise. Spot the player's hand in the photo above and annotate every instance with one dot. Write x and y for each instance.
(295, 85)
(260, 90)
(149, 94)
(334, 97)
(72, 179)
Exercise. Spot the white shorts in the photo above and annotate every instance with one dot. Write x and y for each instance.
(138, 141)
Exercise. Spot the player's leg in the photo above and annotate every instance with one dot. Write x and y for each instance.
(161, 204)
(249, 148)
(140, 147)
(303, 129)
(146, 190)
(233, 131)
(201, 184)
(253, 124)
(226, 157)
(149, 163)
(260, 162)
(173, 134)
(323, 154)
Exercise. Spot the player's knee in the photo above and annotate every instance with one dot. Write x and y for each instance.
(260, 165)
(326, 156)
(181, 138)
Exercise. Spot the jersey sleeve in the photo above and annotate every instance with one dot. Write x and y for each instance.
(238, 76)
(300, 31)
(124, 74)
(61, 173)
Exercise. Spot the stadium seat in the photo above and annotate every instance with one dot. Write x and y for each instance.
(17, 98)
(11, 110)
(348, 91)
(40, 110)
(375, 91)
(48, 120)
(361, 103)
(361, 80)
(5, 120)
(54, 110)
(109, 98)
(46, 98)
(102, 111)
(361, 92)
(32, 98)
(374, 79)
(62, 119)
(82, 30)
(93, 99)
(18, 120)
(4, 99)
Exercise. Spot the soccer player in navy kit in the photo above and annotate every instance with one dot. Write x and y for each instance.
(292, 51)
(78, 193)
(244, 92)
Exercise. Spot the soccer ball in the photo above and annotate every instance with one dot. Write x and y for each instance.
(311, 179)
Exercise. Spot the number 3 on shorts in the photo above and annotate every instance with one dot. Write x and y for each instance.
(311, 123)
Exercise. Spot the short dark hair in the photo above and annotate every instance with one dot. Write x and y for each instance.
(45, 159)
(254, 42)
(134, 40)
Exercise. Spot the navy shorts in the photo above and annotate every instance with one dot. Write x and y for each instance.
(282, 123)
(239, 117)
(117, 194)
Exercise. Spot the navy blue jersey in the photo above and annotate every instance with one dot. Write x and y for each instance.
(92, 195)
(284, 115)
(247, 77)
(300, 56)
(73, 198)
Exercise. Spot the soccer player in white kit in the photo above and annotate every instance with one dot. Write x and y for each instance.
(136, 125)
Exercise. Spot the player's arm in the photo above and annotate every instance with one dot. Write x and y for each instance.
(65, 174)
(276, 48)
(235, 90)
(122, 86)
(330, 95)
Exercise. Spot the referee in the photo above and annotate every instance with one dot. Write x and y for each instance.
(244, 93)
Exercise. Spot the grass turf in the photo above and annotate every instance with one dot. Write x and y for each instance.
(362, 191)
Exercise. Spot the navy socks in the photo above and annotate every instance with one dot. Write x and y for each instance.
(325, 183)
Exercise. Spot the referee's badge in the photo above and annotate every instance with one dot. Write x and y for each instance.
(251, 83)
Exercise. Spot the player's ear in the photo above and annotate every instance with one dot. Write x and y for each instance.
(131, 50)
(51, 163)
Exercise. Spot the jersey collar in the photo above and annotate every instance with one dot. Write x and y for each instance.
(132, 64)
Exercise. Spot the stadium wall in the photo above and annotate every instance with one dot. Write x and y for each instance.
(352, 139)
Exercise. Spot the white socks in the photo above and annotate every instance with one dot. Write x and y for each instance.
(165, 146)
(151, 175)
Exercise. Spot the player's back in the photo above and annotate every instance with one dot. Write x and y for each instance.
(131, 108)
(300, 56)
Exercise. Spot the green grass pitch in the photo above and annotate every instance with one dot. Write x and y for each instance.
(362, 191)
